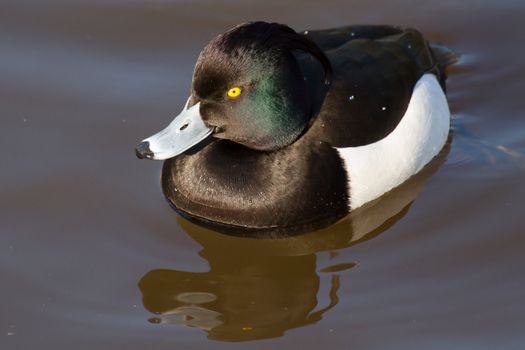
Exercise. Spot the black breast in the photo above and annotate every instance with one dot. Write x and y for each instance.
(298, 188)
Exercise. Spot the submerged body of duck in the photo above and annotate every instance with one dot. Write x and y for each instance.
(306, 127)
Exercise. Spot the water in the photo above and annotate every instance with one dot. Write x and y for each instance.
(92, 257)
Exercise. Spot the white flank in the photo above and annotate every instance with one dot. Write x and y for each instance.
(379, 167)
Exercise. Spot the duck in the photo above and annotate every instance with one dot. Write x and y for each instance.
(294, 130)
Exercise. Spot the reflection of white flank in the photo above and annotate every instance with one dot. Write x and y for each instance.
(196, 297)
(378, 167)
(192, 316)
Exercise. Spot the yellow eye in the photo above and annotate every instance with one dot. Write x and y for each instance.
(234, 92)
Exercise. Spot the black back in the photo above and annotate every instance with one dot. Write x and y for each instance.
(374, 77)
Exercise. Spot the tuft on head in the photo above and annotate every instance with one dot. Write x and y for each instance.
(254, 41)
(273, 36)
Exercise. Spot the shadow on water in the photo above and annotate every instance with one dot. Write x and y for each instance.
(260, 288)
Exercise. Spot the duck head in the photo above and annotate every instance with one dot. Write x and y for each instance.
(247, 87)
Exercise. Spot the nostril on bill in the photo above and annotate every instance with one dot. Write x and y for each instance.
(142, 150)
(184, 126)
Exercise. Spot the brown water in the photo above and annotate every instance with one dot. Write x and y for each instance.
(92, 257)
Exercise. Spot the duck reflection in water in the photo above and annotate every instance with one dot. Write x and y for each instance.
(260, 288)
(256, 297)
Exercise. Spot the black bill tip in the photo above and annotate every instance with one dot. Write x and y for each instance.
(142, 151)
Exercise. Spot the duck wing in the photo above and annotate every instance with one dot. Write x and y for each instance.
(375, 71)
(329, 39)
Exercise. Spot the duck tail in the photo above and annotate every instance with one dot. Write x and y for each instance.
(444, 55)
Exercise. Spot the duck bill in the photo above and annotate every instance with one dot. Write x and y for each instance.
(184, 132)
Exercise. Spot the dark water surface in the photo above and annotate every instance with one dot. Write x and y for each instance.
(92, 257)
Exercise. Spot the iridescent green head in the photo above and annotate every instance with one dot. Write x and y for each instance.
(247, 87)
(251, 88)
